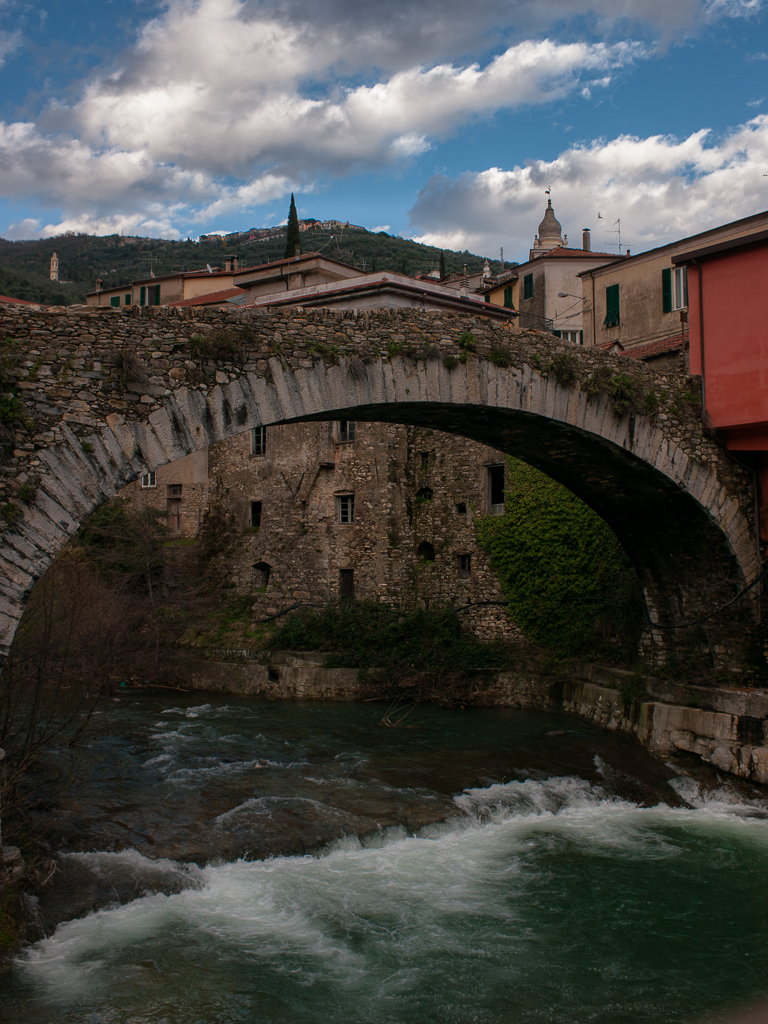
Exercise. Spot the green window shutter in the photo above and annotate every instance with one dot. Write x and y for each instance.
(127, 300)
(666, 290)
(157, 294)
(581, 337)
(528, 286)
(487, 298)
(558, 334)
(142, 296)
(509, 304)
(115, 300)
(611, 306)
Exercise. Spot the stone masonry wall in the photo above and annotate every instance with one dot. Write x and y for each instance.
(404, 544)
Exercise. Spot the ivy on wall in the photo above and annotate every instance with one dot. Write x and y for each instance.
(568, 581)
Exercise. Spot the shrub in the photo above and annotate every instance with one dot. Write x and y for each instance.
(563, 366)
(11, 513)
(499, 357)
(27, 493)
(216, 345)
(467, 341)
(368, 635)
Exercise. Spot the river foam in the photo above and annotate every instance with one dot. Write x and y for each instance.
(376, 920)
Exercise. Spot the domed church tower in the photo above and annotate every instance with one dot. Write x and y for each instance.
(550, 233)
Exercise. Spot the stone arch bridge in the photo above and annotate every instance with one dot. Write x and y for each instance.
(92, 398)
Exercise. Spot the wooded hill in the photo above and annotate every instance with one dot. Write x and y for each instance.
(117, 260)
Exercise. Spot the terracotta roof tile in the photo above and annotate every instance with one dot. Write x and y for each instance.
(210, 298)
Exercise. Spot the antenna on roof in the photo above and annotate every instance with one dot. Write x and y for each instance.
(548, 191)
(209, 268)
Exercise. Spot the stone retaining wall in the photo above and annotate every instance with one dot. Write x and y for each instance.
(734, 741)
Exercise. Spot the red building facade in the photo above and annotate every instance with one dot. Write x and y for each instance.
(727, 286)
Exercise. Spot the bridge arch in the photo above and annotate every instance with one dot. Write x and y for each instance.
(679, 505)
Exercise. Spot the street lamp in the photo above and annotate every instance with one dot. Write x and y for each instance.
(568, 295)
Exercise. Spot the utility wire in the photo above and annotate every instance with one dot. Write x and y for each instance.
(696, 622)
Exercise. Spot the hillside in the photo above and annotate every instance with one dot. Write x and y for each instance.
(24, 266)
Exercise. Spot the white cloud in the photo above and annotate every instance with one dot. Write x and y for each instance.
(27, 228)
(381, 227)
(661, 188)
(209, 112)
(223, 105)
(9, 43)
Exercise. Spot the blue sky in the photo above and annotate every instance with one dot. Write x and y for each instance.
(438, 120)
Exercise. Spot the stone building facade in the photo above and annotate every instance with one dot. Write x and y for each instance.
(179, 491)
(315, 513)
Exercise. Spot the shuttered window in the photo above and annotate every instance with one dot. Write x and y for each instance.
(142, 296)
(611, 306)
(115, 300)
(528, 286)
(127, 300)
(157, 295)
(666, 290)
(509, 304)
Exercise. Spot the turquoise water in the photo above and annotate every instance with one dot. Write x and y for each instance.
(292, 864)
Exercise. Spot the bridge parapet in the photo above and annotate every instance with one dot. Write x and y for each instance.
(94, 397)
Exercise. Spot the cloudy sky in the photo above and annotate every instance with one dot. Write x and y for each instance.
(441, 120)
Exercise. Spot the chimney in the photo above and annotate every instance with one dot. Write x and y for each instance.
(297, 252)
(585, 241)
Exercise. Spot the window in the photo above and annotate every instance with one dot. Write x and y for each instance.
(426, 551)
(157, 295)
(255, 518)
(173, 493)
(611, 306)
(148, 480)
(495, 489)
(259, 441)
(508, 303)
(346, 584)
(576, 337)
(127, 300)
(461, 508)
(115, 300)
(345, 508)
(464, 566)
(528, 286)
(142, 296)
(346, 430)
(261, 571)
(424, 461)
(424, 494)
(674, 289)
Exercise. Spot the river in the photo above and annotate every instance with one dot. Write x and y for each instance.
(228, 861)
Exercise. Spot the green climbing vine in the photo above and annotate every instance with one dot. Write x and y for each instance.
(569, 583)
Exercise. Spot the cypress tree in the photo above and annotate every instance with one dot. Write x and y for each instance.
(442, 266)
(373, 265)
(402, 265)
(292, 234)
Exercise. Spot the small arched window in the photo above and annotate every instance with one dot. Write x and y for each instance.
(261, 571)
(426, 551)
